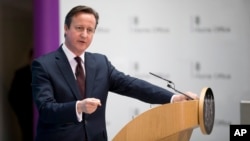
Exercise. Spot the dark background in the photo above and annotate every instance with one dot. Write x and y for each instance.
(16, 35)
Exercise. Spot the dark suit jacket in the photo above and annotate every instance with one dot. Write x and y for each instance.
(20, 98)
(55, 93)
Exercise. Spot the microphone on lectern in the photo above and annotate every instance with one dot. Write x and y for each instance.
(171, 85)
(160, 77)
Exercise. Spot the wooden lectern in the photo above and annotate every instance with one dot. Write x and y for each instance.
(172, 122)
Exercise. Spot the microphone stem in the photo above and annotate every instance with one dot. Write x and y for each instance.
(184, 94)
(170, 86)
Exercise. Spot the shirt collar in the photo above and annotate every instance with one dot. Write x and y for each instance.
(70, 55)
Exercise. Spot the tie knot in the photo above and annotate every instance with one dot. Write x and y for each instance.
(78, 59)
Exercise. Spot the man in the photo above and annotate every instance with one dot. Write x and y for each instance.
(20, 99)
(65, 114)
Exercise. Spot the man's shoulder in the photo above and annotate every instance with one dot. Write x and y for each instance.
(95, 55)
(49, 55)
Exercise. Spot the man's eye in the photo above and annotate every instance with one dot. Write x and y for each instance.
(90, 30)
(79, 28)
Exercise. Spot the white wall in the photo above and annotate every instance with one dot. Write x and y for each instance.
(195, 43)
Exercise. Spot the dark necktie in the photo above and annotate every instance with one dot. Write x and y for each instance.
(80, 76)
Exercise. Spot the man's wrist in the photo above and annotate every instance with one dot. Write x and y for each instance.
(172, 99)
(78, 111)
(78, 107)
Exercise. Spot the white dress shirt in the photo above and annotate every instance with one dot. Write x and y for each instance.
(71, 58)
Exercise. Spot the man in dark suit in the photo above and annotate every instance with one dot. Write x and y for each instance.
(66, 115)
(20, 99)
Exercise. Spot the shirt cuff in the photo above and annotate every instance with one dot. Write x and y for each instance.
(172, 98)
(78, 115)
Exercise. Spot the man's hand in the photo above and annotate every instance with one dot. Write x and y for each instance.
(181, 97)
(88, 105)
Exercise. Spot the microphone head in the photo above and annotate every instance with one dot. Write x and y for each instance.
(168, 85)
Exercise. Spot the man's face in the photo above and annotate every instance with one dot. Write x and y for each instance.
(79, 35)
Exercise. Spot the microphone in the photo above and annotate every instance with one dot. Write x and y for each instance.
(171, 86)
(160, 77)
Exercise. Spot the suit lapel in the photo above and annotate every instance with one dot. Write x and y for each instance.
(90, 67)
(64, 67)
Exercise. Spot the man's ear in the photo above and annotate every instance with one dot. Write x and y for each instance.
(65, 29)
